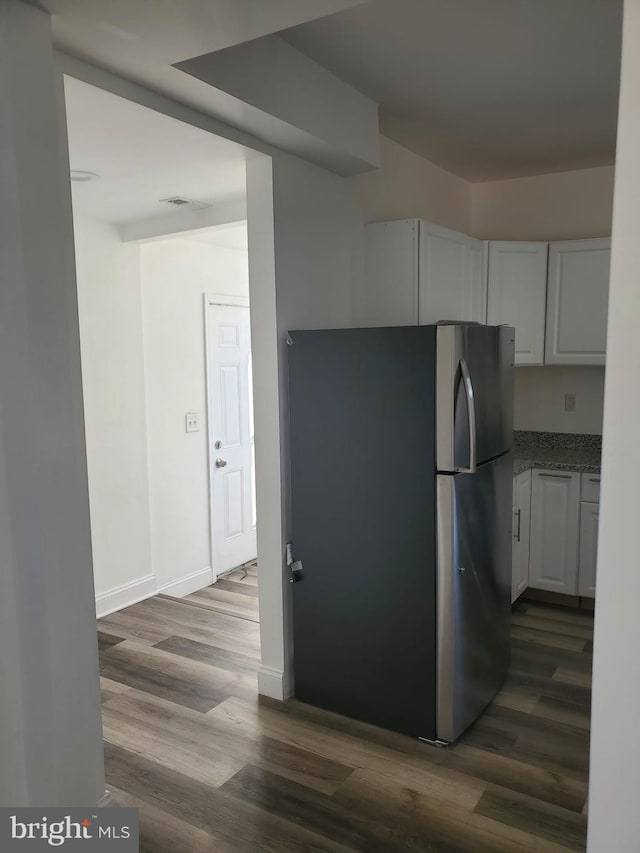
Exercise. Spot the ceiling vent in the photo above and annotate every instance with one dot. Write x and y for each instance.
(187, 203)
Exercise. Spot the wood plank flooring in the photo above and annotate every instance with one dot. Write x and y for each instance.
(214, 768)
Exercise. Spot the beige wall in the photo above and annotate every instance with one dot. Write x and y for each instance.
(562, 206)
(409, 186)
(539, 399)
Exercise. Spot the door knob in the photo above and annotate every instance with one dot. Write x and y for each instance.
(221, 463)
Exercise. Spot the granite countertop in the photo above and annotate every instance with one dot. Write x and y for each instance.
(563, 451)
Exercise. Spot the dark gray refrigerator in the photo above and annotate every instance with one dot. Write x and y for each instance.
(401, 493)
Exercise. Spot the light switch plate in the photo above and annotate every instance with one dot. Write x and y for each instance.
(192, 422)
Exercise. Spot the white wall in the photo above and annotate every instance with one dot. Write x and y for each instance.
(50, 728)
(153, 47)
(321, 117)
(175, 276)
(110, 311)
(539, 399)
(408, 186)
(275, 639)
(314, 265)
(143, 367)
(319, 251)
(614, 817)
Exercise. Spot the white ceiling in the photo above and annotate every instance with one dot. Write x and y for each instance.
(233, 236)
(485, 88)
(142, 156)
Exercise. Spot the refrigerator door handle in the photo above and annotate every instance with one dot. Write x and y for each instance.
(471, 413)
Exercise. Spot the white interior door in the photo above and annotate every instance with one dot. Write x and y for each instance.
(231, 439)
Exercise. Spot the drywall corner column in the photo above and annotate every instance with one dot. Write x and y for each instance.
(272, 675)
(50, 730)
(614, 818)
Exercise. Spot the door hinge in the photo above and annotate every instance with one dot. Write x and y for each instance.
(296, 572)
(295, 566)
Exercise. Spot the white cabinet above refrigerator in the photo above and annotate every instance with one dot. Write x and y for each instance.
(417, 273)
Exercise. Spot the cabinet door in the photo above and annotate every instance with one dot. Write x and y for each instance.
(589, 514)
(389, 293)
(521, 533)
(476, 265)
(555, 507)
(517, 294)
(577, 302)
(444, 284)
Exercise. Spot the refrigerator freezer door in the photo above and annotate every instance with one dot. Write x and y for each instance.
(474, 591)
(474, 395)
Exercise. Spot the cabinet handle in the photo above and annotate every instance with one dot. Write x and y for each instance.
(557, 476)
(594, 479)
(518, 514)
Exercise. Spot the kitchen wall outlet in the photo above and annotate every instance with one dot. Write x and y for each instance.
(569, 402)
(192, 422)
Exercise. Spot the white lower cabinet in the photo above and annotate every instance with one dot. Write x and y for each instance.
(589, 513)
(521, 530)
(555, 513)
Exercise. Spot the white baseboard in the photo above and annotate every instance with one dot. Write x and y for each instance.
(125, 595)
(188, 583)
(271, 682)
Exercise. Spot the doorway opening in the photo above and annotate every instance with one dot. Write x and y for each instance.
(160, 221)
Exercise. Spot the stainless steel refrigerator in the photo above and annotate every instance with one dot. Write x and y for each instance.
(401, 493)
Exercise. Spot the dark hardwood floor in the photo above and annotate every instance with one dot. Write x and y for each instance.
(214, 768)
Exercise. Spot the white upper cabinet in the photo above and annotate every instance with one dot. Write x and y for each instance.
(452, 276)
(389, 295)
(419, 273)
(416, 272)
(577, 302)
(517, 292)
